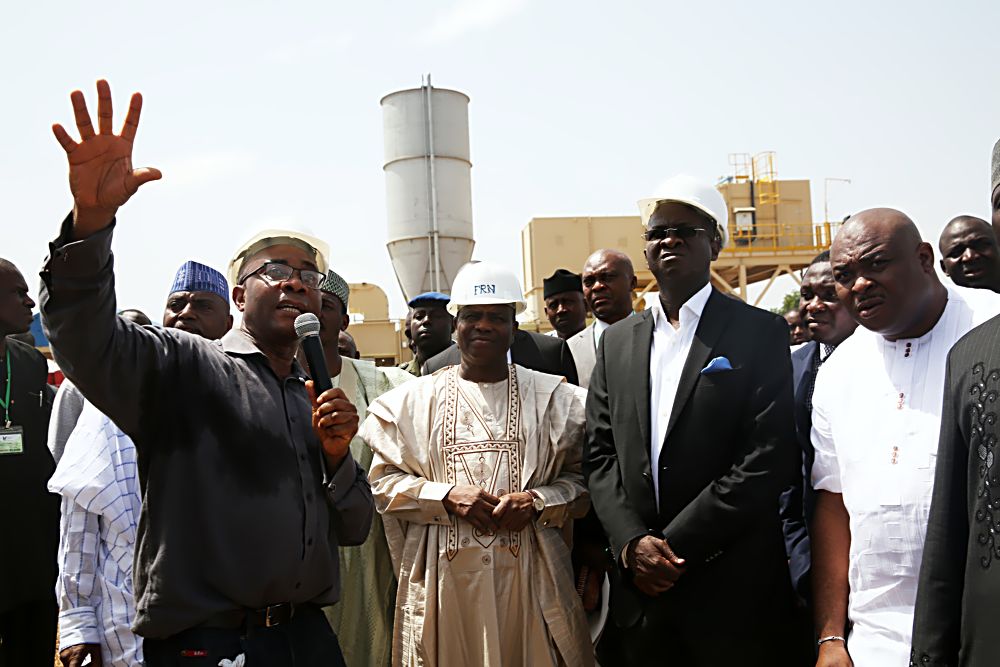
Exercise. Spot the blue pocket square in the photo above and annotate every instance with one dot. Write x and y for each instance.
(717, 365)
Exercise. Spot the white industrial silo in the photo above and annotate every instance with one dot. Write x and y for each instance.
(428, 186)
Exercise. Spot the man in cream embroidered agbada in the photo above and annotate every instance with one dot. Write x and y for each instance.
(476, 472)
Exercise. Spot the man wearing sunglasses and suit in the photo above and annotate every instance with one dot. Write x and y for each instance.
(690, 441)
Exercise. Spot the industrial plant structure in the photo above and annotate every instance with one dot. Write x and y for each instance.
(428, 186)
(430, 235)
(771, 233)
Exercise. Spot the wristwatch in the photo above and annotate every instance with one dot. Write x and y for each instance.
(537, 503)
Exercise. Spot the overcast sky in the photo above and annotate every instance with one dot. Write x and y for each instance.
(266, 114)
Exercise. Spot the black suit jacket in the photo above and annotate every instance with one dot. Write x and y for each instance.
(959, 591)
(729, 452)
(546, 354)
(797, 502)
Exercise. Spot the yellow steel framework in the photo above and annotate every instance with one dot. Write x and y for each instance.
(771, 231)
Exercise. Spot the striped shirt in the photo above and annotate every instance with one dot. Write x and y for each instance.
(97, 480)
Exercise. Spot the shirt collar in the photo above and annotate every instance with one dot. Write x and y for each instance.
(599, 327)
(693, 307)
(238, 342)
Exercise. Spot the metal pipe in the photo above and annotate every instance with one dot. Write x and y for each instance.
(433, 236)
(826, 182)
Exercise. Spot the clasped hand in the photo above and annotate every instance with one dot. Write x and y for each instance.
(489, 513)
(655, 566)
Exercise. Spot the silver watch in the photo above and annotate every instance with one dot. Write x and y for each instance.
(537, 502)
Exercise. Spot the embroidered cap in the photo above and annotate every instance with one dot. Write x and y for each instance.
(195, 277)
(336, 286)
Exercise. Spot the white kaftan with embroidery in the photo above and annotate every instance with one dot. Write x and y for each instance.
(465, 597)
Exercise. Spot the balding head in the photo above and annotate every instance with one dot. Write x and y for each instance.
(610, 257)
(969, 254)
(885, 274)
(608, 280)
(347, 346)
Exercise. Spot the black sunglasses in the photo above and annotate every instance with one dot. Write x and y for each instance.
(661, 233)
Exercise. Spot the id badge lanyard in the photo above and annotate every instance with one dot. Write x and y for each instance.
(5, 404)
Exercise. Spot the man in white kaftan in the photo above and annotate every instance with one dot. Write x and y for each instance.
(469, 596)
(875, 425)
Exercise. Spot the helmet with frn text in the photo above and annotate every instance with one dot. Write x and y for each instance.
(486, 283)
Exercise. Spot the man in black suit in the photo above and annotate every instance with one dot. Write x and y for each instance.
(959, 588)
(690, 441)
(538, 352)
(829, 325)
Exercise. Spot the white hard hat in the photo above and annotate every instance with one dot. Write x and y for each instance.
(687, 190)
(486, 283)
(272, 237)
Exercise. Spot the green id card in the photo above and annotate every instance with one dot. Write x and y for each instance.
(11, 440)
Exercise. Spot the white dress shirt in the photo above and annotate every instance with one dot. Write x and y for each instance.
(875, 423)
(99, 485)
(599, 327)
(667, 354)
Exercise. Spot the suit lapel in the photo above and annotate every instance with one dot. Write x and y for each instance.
(642, 338)
(710, 327)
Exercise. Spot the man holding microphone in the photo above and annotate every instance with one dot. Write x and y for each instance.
(249, 484)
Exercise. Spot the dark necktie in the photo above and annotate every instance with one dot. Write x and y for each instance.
(823, 352)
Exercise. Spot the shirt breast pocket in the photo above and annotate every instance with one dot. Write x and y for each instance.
(29, 406)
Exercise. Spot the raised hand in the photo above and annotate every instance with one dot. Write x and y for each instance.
(101, 176)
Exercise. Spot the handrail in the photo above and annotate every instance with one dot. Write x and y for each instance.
(782, 237)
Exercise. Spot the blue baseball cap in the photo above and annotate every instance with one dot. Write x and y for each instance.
(433, 297)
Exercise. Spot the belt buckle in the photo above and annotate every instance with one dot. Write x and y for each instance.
(268, 622)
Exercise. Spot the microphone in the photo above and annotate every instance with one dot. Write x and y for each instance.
(307, 328)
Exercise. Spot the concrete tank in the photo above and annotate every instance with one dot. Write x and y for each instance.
(428, 186)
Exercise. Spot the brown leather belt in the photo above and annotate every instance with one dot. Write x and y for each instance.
(266, 617)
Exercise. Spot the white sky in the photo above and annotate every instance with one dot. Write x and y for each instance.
(264, 114)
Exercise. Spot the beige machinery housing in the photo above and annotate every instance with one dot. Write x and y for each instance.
(771, 231)
(379, 339)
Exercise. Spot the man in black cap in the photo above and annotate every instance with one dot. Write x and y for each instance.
(430, 326)
(30, 518)
(969, 253)
(564, 304)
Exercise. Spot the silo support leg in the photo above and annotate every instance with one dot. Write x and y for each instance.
(777, 272)
(721, 282)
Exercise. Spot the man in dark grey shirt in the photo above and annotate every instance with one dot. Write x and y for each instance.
(249, 485)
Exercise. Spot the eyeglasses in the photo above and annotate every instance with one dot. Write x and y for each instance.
(660, 233)
(277, 272)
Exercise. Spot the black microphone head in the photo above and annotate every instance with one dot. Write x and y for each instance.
(306, 324)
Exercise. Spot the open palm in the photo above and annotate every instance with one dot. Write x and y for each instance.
(101, 176)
